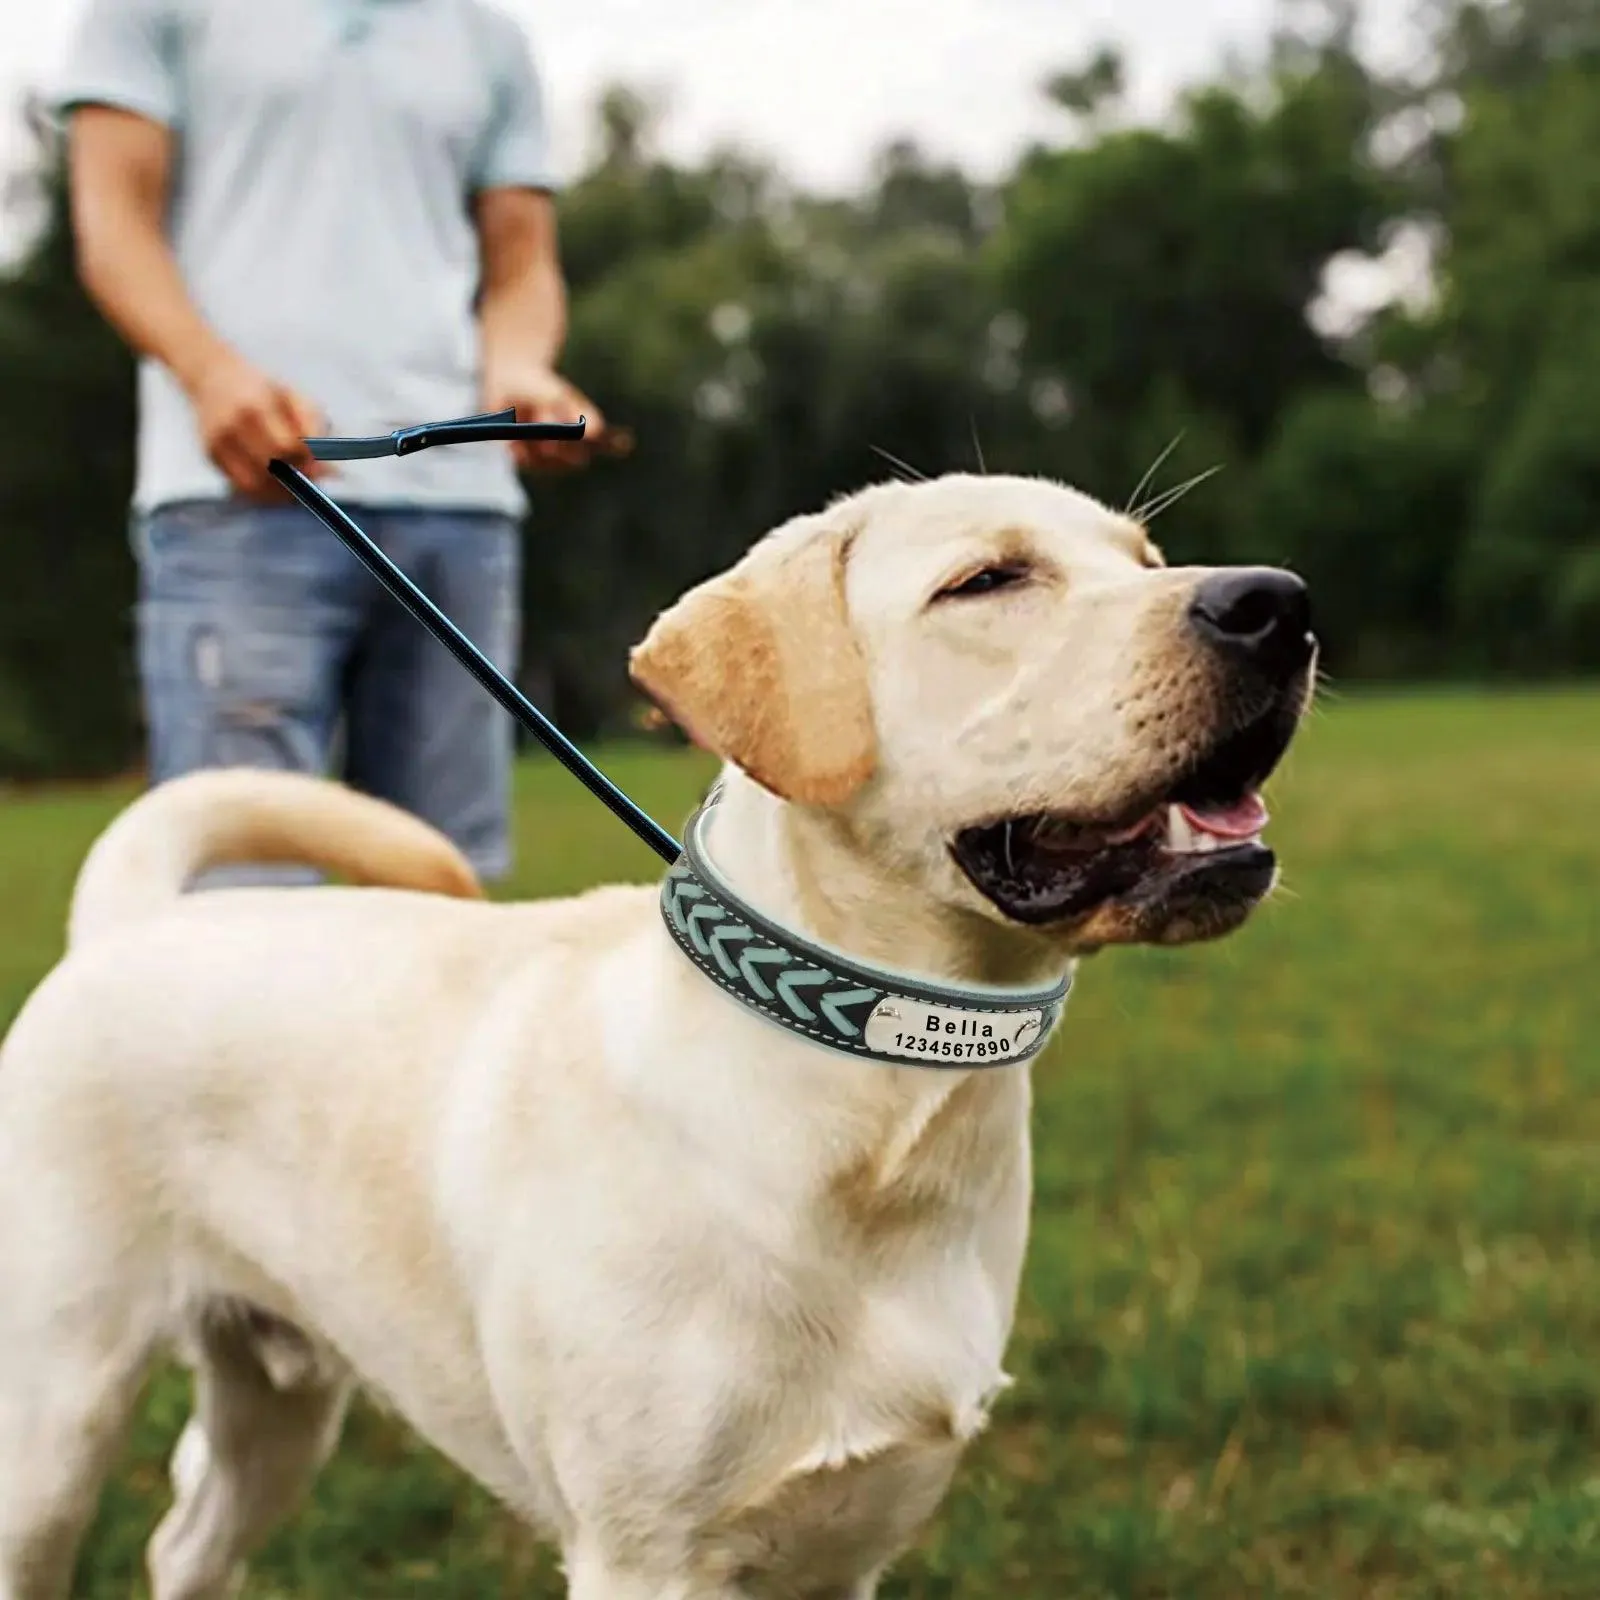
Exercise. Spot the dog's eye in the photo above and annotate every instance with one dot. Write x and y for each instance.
(1002, 575)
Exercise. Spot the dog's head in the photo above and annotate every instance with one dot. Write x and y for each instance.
(1008, 701)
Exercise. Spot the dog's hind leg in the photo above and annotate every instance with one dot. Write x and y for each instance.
(262, 1427)
(69, 1381)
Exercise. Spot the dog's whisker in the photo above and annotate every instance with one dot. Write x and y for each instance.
(977, 445)
(1150, 472)
(1168, 497)
(912, 475)
(1011, 865)
(1164, 502)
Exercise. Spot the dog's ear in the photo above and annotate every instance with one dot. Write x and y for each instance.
(760, 666)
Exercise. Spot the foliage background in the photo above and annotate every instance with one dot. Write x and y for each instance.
(1433, 468)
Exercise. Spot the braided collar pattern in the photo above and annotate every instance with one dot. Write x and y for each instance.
(840, 1004)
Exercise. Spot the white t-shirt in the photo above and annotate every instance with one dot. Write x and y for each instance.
(328, 153)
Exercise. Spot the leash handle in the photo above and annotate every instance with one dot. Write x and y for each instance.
(361, 546)
(479, 429)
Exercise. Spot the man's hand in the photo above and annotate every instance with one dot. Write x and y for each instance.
(539, 394)
(246, 418)
(121, 168)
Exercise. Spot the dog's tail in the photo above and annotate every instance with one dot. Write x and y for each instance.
(229, 816)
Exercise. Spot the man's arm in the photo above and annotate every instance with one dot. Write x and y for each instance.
(120, 167)
(522, 319)
(522, 310)
(523, 302)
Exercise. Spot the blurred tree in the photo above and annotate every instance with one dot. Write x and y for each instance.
(1128, 312)
(1369, 503)
(1513, 181)
(1529, 581)
(915, 193)
(1095, 87)
(1189, 255)
(1505, 44)
(68, 703)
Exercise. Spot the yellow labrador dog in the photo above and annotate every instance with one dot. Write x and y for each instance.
(715, 1306)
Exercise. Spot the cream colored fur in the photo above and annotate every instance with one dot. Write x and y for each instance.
(234, 816)
(716, 1309)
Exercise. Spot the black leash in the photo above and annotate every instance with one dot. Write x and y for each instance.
(818, 995)
(493, 425)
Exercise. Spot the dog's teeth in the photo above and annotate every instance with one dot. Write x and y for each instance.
(1180, 836)
(1185, 839)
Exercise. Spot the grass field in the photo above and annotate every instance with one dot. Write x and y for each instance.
(1314, 1298)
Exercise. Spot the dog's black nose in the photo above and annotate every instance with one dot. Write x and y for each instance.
(1257, 615)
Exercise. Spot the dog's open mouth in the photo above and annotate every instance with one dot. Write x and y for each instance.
(1193, 848)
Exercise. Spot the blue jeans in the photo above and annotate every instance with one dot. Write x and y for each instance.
(264, 643)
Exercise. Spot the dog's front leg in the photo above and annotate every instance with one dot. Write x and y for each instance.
(591, 1575)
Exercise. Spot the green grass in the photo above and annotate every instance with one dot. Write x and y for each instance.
(1313, 1305)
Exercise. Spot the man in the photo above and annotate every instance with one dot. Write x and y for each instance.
(323, 216)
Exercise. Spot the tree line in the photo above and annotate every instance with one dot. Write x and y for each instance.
(1126, 295)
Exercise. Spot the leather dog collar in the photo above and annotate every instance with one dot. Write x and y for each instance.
(838, 1003)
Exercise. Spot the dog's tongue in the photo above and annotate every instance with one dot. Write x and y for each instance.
(1242, 820)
